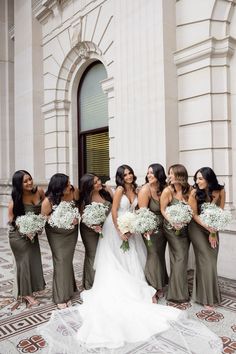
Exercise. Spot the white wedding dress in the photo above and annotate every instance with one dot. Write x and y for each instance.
(117, 314)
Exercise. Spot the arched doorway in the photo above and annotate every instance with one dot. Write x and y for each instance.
(93, 123)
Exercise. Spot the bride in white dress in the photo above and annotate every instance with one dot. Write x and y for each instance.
(119, 313)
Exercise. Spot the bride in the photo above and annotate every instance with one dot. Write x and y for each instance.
(119, 313)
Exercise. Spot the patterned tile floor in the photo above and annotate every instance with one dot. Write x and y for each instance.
(18, 325)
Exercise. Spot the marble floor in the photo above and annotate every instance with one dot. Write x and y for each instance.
(18, 324)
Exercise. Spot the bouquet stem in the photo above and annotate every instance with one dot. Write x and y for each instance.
(101, 234)
(213, 234)
(149, 241)
(125, 246)
(177, 232)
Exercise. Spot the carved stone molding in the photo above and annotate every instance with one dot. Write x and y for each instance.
(56, 106)
(77, 32)
(48, 8)
(210, 48)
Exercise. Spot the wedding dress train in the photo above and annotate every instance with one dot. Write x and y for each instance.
(117, 314)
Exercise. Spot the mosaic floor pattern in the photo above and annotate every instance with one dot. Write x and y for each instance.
(18, 324)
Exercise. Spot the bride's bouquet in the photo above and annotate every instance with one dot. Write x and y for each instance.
(145, 223)
(94, 215)
(215, 217)
(64, 215)
(125, 224)
(30, 224)
(179, 214)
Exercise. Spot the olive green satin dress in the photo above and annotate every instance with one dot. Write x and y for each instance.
(62, 243)
(155, 269)
(90, 240)
(28, 264)
(206, 287)
(178, 251)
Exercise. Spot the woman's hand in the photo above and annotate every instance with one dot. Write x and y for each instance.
(213, 240)
(125, 236)
(97, 228)
(30, 236)
(75, 221)
(148, 234)
(177, 226)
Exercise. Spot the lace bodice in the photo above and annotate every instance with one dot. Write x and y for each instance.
(125, 204)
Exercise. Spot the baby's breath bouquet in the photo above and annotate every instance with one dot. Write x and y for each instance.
(30, 224)
(94, 215)
(63, 215)
(145, 222)
(179, 214)
(215, 217)
(125, 224)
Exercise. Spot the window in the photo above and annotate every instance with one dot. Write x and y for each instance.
(93, 123)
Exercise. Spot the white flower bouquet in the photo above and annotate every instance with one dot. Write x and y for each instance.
(179, 214)
(215, 217)
(64, 215)
(125, 224)
(94, 215)
(30, 224)
(145, 223)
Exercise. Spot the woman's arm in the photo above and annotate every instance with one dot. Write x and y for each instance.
(41, 193)
(165, 200)
(46, 207)
(76, 194)
(193, 204)
(114, 210)
(109, 190)
(144, 197)
(222, 198)
(10, 212)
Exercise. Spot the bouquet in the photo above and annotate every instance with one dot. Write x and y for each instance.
(125, 224)
(95, 214)
(63, 215)
(146, 221)
(30, 224)
(215, 217)
(180, 214)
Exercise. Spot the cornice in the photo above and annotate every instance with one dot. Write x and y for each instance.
(46, 8)
(209, 48)
(56, 106)
(108, 84)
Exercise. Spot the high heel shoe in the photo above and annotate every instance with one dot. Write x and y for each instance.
(62, 306)
(31, 301)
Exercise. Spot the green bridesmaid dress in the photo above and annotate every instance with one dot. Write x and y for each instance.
(155, 269)
(62, 243)
(206, 287)
(178, 251)
(90, 240)
(28, 264)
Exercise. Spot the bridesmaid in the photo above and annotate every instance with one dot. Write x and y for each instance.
(206, 189)
(91, 190)
(177, 191)
(149, 197)
(62, 241)
(29, 271)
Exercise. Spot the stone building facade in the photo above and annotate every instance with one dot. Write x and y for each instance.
(170, 86)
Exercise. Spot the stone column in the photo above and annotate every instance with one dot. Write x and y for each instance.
(145, 119)
(7, 158)
(29, 132)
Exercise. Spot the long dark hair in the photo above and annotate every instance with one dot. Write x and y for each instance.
(86, 189)
(56, 187)
(203, 195)
(159, 173)
(120, 176)
(181, 175)
(17, 192)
